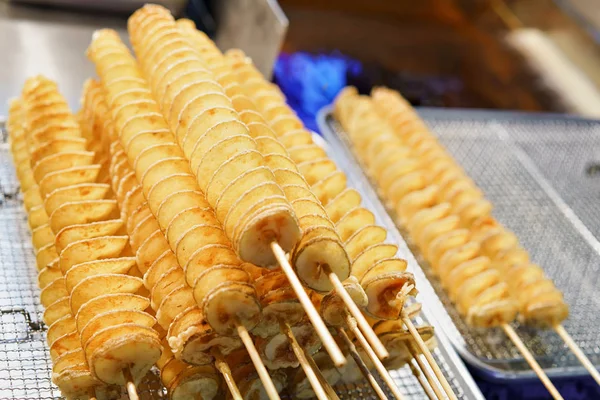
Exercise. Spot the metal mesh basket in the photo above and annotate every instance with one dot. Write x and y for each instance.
(25, 365)
(543, 176)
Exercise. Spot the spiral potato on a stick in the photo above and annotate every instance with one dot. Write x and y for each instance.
(429, 212)
(222, 155)
(539, 301)
(95, 317)
(74, 377)
(310, 255)
(383, 277)
(188, 334)
(223, 291)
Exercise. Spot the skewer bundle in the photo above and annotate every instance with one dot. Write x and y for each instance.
(160, 214)
(487, 274)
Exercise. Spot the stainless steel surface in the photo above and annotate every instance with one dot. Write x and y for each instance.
(50, 42)
(538, 173)
(255, 26)
(25, 366)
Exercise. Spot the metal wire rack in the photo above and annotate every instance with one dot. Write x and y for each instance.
(542, 174)
(25, 365)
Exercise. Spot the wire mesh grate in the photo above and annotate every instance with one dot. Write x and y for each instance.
(543, 184)
(25, 365)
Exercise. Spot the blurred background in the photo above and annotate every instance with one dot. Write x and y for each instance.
(527, 55)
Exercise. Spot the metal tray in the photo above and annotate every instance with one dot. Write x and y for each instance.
(542, 173)
(25, 366)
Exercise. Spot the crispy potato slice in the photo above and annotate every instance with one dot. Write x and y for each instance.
(191, 338)
(266, 225)
(110, 302)
(162, 168)
(137, 215)
(45, 256)
(315, 170)
(161, 264)
(387, 292)
(369, 256)
(31, 197)
(42, 236)
(344, 202)
(307, 152)
(65, 343)
(57, 310)
(329, 187)
(48, 275)
(363, 238)
(473, 287)
(143, 230)
(56, 146)
(245, 182)
(206, 257)
(115, 318)
(229, 171)
(53, 291)
(69, 177)
(353, 221)
(155, 153)
(81, 271)
(83, 212)
(295, 138)
(68, 360)
(207, 161)
(170, 280)
(37, 217)
(60, 327)
(186, 219)
(60, 161)
(174, 203)
(298, 192)
(97, 285)
(175, 302)
(75, 233)
(197, 236)
(192, 380)
(168, 185)
(152, 248)
(463, 271)
(92, 249)
(319, 247)
(112, 349)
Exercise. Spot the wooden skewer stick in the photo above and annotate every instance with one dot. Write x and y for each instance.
(425, 350)
(301, 356)
(512, 335)
(383, 372)
(430, 380)
(330, 345)
(361, 365)
(130, 385)
(578, 353)
(424, 384)
(330, 391)
(224, 369)
(364, 326)
(263, 374)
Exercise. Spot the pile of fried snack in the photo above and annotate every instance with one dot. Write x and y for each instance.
(486, 273)
(152, 211)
